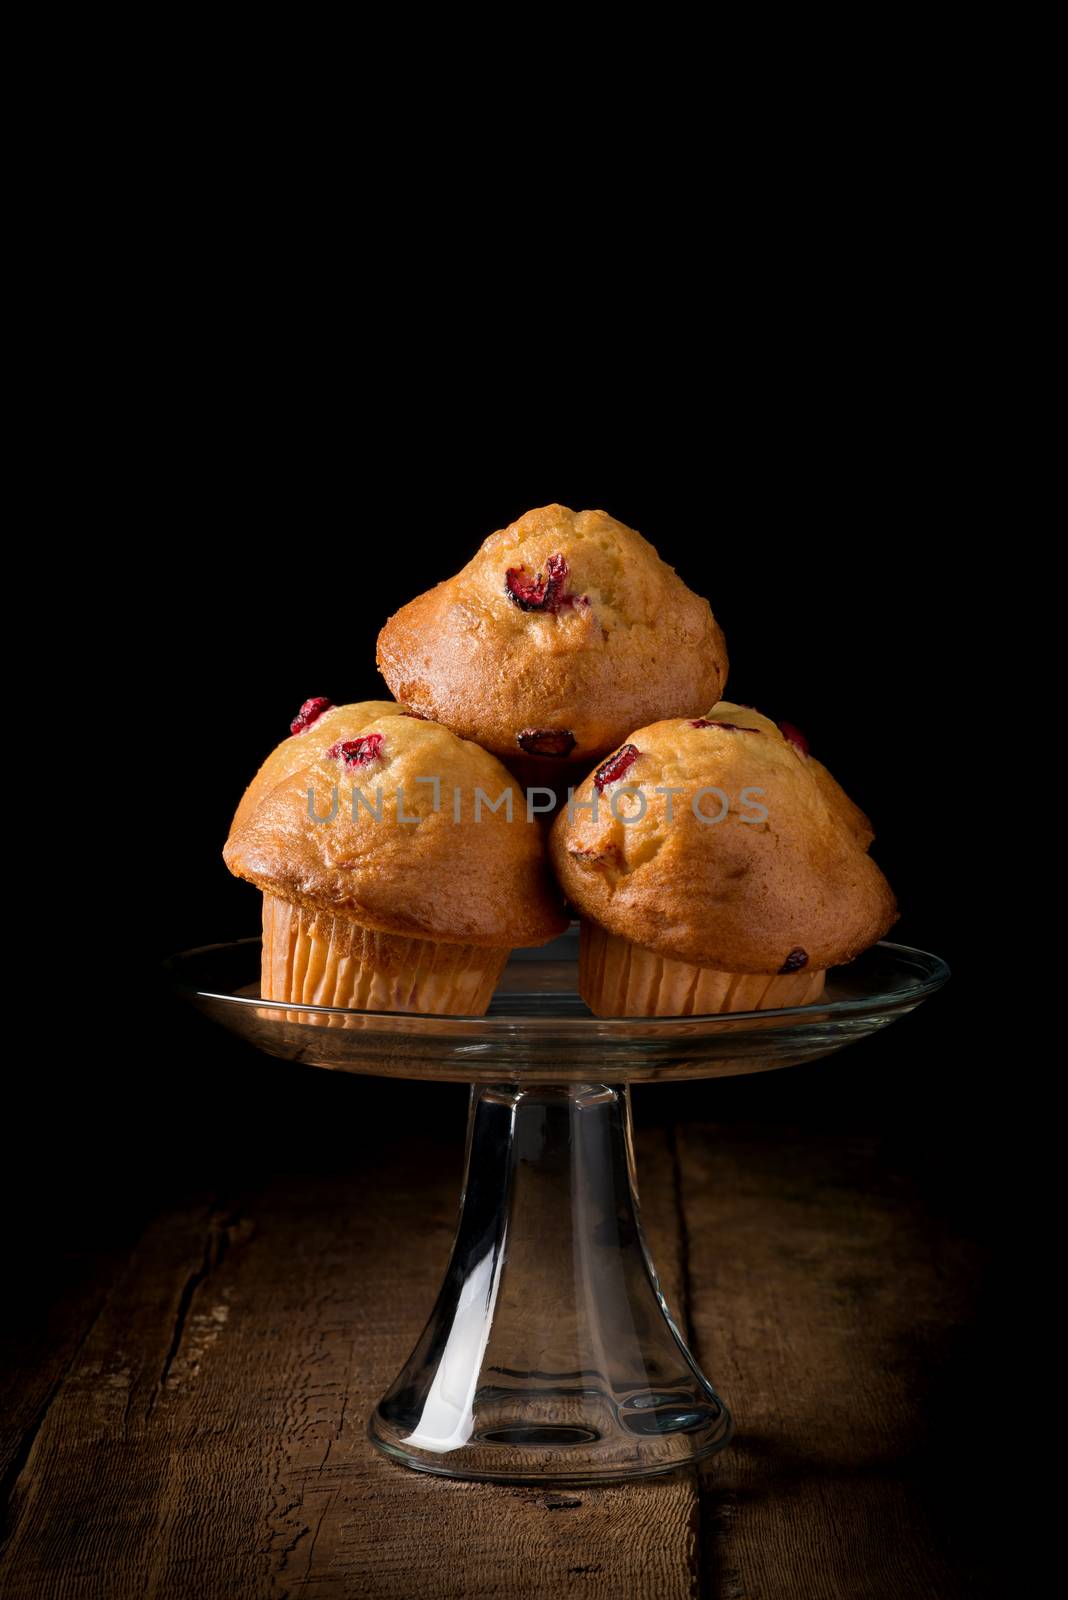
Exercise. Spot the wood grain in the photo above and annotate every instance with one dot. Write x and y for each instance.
(41, 1333)
(211, 1437)
(822, 1303)
(197, 1418)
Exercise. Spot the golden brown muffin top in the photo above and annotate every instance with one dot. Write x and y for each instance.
(330, 723)
(775, 878)
(405, 856)
(565, 630)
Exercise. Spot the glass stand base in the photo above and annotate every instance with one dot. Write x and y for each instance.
(550, 1356)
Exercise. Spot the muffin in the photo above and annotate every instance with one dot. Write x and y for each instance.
(736, 891)
(563, 632)
(389, 883)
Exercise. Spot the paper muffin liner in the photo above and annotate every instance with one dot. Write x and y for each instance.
(620, 979)
(318, 959)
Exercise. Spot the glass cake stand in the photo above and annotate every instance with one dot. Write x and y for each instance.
(551, 1355)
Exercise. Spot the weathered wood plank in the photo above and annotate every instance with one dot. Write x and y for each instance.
(43, 1327)
(823, 1302)
(198, 1421)
(210, 1438)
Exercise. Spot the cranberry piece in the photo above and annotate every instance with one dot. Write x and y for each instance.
(357, 752)
(703, 722)
(610, 853)
(795, 737)
(543, 593)
(797, 959)
(616, 766)
(309, 712)
(546, 742)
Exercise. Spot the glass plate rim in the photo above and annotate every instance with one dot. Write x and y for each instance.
(937, 974)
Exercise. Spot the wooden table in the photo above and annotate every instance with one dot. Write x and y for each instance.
(187, 1408)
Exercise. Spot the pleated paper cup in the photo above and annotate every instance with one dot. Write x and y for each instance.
(620, 979)
(317, 958)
